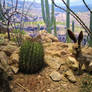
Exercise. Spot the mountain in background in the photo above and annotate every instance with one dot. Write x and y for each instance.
(76, 8)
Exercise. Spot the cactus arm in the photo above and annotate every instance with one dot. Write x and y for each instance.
(47, 11)
(47, 16)
(68, 21)
(55, 33)
(91, 21)
(68, 15)
(43, 10)
(52, 15)
(73, 26)
(90, 39)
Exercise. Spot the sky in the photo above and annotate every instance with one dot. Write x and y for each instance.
(72, 2)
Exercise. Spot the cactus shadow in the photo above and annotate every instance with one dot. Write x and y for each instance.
(36, 72)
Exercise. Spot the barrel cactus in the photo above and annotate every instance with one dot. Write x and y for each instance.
(31, 57)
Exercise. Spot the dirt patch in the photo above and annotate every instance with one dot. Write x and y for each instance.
(42, 83)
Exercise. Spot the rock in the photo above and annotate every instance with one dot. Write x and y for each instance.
(15, 69)
(14, 59)
(4, 63)
(53, 38)
(2, 47)
(27, 37)
(12, 43)
(3, 42)
(9, 49)
(52, 62)
(72, 62)
(70, 76)
(55, 76)
(46, 37)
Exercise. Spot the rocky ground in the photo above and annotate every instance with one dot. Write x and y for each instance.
(60, 74)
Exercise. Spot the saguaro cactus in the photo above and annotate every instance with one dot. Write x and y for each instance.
(90, 39)
(68, 20)
(73, 26)
(68, 15)
(49, 18)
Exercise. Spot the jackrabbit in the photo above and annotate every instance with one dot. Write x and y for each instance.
(80, 56)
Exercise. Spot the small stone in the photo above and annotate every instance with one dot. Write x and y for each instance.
(70, 76)
(55, 76)
(48, 90)
(15, 69)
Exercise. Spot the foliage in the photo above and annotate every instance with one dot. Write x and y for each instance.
(18, 36)
(86, 85)
(31, 57)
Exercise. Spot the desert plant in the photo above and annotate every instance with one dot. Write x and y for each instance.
(73, 26)
(49, 19)
(68, 20)
(90, 38)
(38, 27)
(31, 57)
(18, 36)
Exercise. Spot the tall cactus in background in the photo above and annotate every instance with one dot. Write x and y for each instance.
(49, 18)
(1, 16)
(90, 39)
(68, 21)
(73, 26)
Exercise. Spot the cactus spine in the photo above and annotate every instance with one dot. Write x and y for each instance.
(49, 18)
(68, 20)
(73, 26)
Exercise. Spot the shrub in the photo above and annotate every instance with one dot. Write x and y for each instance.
(31, 57)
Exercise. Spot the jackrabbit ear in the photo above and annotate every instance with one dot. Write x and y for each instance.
(72, 36)
(80, 38)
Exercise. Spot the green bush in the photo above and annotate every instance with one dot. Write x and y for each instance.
(31, 57)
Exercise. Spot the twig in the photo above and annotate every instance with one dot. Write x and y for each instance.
(27, 90)
(87, 6)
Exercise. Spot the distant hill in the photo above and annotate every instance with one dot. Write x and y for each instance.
(78, 8)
